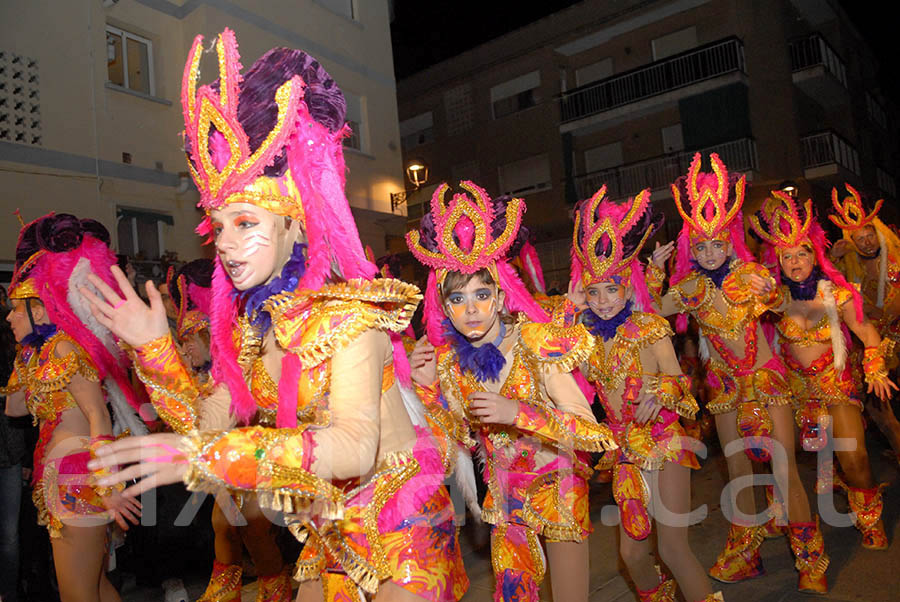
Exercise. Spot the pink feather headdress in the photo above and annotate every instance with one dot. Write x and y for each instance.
(464, 241)
(311, 188)
(710, 211)
(608, 239)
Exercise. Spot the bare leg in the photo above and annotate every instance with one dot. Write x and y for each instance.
(671, 489)
(570, 569)
(848, 424)
(227, 541)
(787, 477)
(638, 558)
(259, 538)
(79, 557)
(883, 416)
(739, 464)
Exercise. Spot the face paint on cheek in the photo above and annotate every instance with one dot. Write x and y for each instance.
(255, 241)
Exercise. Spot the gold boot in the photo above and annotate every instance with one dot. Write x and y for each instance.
(740, 559)
(224, 584)
(275, 588)
(811, 561)
(664, 592)
(867, 505)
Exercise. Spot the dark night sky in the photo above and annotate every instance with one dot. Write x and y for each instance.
(425, 32)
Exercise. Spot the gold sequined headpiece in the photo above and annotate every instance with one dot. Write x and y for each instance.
(606, 224)
(465, 242)
(21, 286)
(782, 224)
(222, 165)
(707, 196)
(850, 214)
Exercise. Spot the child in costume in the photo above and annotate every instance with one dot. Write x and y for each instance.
(640, 384)
(717, 281)
(297, 325)
(869, 257)
(819, 304)
(507, 379)
(66, 370)
(190, 287)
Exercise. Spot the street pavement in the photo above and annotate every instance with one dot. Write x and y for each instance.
(855, 574)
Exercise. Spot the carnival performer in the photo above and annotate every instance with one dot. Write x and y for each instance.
(297, 325)
(66, 370)
(717, 282)
(492, 363)
(640, 384)
(237, 519)
(869, 257)
(819, 304)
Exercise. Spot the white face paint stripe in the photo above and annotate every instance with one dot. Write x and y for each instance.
(254, 242)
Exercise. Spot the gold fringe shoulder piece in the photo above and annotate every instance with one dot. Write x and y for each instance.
(556, 346)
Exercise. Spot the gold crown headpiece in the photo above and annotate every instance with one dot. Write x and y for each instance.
(850, 214)
(599, 220)
(221, 162)
(782, 224)
(707, 194)
(465, 242)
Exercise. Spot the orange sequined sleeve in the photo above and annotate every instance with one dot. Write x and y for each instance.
(172, 389)
(562, 428)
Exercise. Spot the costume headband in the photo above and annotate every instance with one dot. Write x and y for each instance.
(707, 213)
(850, 214)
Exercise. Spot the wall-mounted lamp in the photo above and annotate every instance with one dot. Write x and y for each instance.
(790, 188)
(417, 172)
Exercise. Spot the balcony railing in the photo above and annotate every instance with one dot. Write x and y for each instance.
(827, 148)
(628, 180)
(713, 60)
(813, 51)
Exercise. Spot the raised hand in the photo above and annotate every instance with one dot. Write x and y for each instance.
(884, 389)
(840, 248)
(130, 319)
(157, 460)
(492, 408)
(576, 295)
(423, 363)
(661, 254)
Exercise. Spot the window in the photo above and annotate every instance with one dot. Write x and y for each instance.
(20, 99)
(875, 111)
(141, 233)
(526, 176)
(516, 94)
(672, 139)
(594, 72)
(603, 157)
(357, 138)
(416, 131)
(133, 67)
(459, 109)
(675, 42)
(346, 8)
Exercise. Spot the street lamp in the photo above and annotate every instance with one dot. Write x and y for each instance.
(417, 172)
(790, 188)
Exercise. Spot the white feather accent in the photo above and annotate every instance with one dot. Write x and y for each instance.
(882, 268)
(838, 343)
(703, 347)
(532, 272)
(413, 405)
(464, 477)
(123, 415)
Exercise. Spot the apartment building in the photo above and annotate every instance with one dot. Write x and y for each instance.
(623, 92)
(90, 110)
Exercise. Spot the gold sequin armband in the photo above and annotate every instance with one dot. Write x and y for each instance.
(563, 429)
(275, 463)
(874, 366)
(96, 475)
(673, 392)
(172, 389)
(655, 277)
